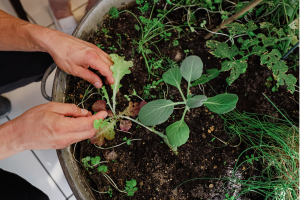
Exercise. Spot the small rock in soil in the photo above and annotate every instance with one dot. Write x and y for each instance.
(211, 186)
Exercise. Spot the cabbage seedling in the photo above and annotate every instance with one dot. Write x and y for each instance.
(158, 111)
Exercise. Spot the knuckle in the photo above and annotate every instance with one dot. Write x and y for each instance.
(62, 142)
(74, 108)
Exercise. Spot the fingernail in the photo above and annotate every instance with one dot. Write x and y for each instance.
(98, 85)
(84, 111)
(105, 115)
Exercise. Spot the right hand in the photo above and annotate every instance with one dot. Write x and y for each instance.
(52, 126)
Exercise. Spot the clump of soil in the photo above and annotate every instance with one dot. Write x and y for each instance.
(154, 166)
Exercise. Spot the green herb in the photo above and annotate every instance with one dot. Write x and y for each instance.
(114, 13)
(128, 141)
(102, 168)
(100, 46)
(113, 48)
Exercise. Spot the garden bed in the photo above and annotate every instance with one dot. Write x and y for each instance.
(210, 153)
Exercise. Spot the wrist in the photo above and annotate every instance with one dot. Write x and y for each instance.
(9, 141)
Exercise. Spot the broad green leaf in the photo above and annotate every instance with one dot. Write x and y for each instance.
(156, 112)
(119, 69)
(191, 68)
(178, 133)
(211, 74)
(106, 131)
(196, 101)
(173, 77)
(221, 103)
(249, 42)
(237, 67)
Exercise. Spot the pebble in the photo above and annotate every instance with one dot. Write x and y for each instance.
(203, 135)
(211, 186)
(209, 131)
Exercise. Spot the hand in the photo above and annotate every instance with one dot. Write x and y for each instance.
(48, 126)
(74, 56)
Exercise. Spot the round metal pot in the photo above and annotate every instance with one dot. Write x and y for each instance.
(88, 24)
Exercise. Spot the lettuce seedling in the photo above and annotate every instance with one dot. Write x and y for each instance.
(158, 111)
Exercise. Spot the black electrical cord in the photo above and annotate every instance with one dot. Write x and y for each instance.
(290, 51)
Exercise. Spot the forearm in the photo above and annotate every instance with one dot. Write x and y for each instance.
(19, 35)
(8, 145)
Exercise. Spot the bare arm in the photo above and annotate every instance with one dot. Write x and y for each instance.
(72, 55)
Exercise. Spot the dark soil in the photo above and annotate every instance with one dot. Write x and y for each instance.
(154, 166)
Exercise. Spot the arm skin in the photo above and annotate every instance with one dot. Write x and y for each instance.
(47, 126)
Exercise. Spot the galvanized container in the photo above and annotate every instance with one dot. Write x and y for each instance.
(88, 24)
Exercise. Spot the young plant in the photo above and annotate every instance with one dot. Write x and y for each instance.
(113, 48)
(94, 161)
(130, 187)
(100, 46)
(158, 111)
(113, 13)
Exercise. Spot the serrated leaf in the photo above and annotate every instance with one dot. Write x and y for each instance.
(191, 68)
(211, 74)
(251, 26)
(222, 50)
(106, 132)
(173, 77)
(249, 42)
(196, 101)
(236, 28)
(237, 67)
(178, 133)
(119, 69)
(259, 50)
(156, 112)
(221, 103)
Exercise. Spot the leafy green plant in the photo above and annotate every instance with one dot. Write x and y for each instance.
(113, 13)
(102, 168)
(128, 141)
(100, 46)
(93, 160)
(112, 48)
(143, 8)
(130, 187)
(119, 40)
(158, 111)
(256, 45)
(105, 31)
(251, 159)
(165, 35)
(175, 43)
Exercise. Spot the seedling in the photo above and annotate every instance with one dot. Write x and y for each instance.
(130, 187)
(128, 141)
(175, 43)
(110, 191)
(143, 8)
(158, 111)
(228, 197)
(100, 46)
(102, 168)
(250, 160)
(119, 40)
(94, 161)
(165, 35)
(105, 31)
(113, 13)
(113, 48)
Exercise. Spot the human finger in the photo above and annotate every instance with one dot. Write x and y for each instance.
(89, 76)
(68, 109)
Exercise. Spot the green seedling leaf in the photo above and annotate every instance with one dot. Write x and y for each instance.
(106, 131)
(102, 168)
(130, 187)
(156, 112)
(196, 101)
(222, 50)
(96, 160)
(175, 43)
(173, 77)
(178, 133)
(191, 68)
(221, 103)
(211, 74)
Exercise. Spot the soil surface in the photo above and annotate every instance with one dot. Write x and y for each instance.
(149, 161)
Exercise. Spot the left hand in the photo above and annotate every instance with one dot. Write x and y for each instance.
(74, 56)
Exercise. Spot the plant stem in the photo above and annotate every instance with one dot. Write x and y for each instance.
(163, 136)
